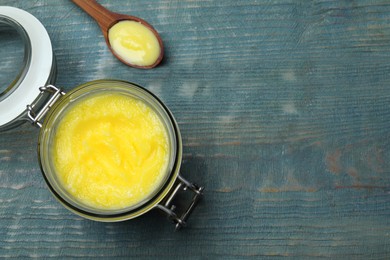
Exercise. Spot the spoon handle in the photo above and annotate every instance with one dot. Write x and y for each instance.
(102, 16)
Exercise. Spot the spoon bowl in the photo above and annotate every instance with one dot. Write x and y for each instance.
(106, 19)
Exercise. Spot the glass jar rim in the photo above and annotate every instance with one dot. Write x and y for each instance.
(84, 91)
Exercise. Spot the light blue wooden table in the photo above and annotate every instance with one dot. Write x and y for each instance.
(285, 117)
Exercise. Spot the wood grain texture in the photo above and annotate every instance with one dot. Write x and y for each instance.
(284, 113)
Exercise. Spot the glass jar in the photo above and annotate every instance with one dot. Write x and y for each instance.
(47, 106)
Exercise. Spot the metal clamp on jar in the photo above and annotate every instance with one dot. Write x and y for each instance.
(32, 97)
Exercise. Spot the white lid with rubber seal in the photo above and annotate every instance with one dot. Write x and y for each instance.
(38, 70)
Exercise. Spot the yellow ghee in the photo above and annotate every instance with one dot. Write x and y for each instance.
(134, 43)
(111, 151)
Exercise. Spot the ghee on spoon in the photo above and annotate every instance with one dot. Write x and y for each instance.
(131, 39)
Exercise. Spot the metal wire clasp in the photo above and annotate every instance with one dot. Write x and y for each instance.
(170, 209)
(36, 116)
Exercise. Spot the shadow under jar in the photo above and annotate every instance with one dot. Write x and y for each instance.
(109, 150)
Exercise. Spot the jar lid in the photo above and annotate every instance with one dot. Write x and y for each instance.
(38, 66)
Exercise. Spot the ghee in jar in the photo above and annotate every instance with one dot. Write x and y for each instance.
(134, 43)
(111, 151)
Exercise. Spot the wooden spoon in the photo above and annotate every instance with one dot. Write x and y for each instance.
(106, 19)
